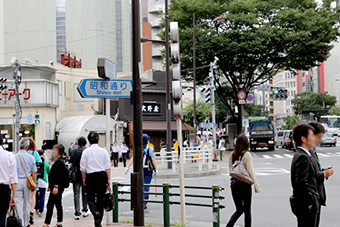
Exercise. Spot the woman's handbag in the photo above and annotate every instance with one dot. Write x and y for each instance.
(30, 182)
(108, 200)
(240, 172)
(13, 219)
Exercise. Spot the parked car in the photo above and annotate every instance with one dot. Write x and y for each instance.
(280, 137)
(328, 139)
(284, 139)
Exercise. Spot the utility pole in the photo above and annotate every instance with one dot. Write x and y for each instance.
(213, 65)
(18, 111)
(168, 84)
(194, 74)
(137, 177)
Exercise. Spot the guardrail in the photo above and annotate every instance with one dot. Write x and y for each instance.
(167, 194)
(197, 155)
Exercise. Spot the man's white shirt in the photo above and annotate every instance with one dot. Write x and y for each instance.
(95, 159)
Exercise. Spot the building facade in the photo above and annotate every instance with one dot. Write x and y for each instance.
(332, 72)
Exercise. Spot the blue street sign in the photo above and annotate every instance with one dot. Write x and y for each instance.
(106, 68)
(99, 88)
(207, 125)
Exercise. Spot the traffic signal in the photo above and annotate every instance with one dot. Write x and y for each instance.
(37, 119)
(206, 92)
(176, 70)
(3, 84)
(280, 94)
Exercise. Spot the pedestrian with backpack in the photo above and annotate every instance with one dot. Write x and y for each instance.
(58, 181)
(77, 180)
(149, 165)
(42, 186)
(242, 177)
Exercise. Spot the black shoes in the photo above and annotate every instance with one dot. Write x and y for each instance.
(31, 219)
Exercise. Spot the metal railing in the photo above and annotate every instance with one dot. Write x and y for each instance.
(194, 155)
(166, 201)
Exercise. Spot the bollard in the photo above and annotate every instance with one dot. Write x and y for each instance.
(115, 195)
(166, 204)
(216, 206)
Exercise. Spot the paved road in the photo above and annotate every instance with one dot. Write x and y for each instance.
(270, 208)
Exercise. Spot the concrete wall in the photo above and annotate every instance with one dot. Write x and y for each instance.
(332, 72)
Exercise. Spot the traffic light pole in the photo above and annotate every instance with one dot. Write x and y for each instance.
(137, 177)
(213, 65)
(18, 112)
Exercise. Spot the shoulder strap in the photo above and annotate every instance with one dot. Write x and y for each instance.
(22, 164)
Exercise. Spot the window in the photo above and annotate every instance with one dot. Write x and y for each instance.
(48, 131)
(60, 87)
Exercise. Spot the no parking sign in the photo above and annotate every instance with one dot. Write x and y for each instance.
(250, 98)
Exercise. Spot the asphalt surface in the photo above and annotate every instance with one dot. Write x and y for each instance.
(269, 208)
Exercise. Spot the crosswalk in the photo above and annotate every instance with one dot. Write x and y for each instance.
(290, 155)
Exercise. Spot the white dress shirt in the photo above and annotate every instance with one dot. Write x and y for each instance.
(95, 159)
(8, 168)
(124, 149)
(305, 150)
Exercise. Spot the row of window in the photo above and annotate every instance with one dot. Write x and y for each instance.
(76, 96)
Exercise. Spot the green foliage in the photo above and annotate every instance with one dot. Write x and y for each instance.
(257, 39)
(290, 122)
(255, 111)
(316, 103)
(335, 110)
(202, 111)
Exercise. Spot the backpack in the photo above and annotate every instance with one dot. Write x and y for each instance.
(40, 168)
(147, 160)
(66, 176)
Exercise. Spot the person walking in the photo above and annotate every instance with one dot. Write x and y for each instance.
(32, 150)
(26, 167)
(42, 186)
(78, 181)
(305, 202)
(148, 152)
(125, 153)
(322, 173)
(58, 181)
(8, 181)
(241, 191)
(115, 154)
(95, 167)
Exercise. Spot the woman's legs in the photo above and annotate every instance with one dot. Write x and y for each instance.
(50, 206)
(238, 200)
(59, 206)
(41, 202)
(247, 205)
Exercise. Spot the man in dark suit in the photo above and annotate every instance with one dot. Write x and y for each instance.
(322, 174)
(305, 203)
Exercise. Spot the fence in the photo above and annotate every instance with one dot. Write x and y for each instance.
(166, 201)
(194, 155)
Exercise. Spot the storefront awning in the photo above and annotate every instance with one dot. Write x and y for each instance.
(161, 126)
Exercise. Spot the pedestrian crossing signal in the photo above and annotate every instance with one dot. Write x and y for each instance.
(37, 119)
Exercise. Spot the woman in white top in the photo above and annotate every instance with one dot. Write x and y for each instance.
(115, 153)
(125, 153)
(240, 190)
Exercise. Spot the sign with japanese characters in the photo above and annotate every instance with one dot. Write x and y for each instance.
(151, 108)
(99, 88)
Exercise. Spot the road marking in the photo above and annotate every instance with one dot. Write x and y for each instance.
(323, 155)
(277, 156)
(288, 155)
(266, 156)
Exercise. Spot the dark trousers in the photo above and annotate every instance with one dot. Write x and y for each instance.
(54, 200)
(308, 217)
(241, 193)
(147, 180)
(5, 197)
(76, 198)
(125, 155)
(96, 188)
(40, 200)
(115, 158)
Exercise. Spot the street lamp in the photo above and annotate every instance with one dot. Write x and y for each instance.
(194, 26)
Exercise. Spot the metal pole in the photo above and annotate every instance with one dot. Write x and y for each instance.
(168, 84)
(137, 177)
(212, 87)
(181, 170)
(194, 73)
(107, 111)
(216, 206)
(18, 112)
(115, 195)
(166, 204)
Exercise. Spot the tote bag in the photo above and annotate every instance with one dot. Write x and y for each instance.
(240, 172)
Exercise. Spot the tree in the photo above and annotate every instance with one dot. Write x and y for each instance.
(316, 103)
(255, 110)
(257, 39)
(202, 112)
(290, 122)
(335, 110)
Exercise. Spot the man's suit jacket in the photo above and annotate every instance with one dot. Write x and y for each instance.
(320, 178)
(304, 179)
